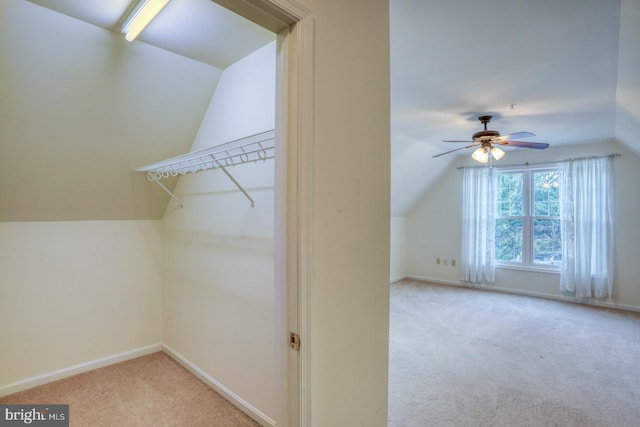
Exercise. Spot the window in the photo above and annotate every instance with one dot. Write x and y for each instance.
(528, 218)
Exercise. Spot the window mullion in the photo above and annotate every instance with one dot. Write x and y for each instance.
(527, 226)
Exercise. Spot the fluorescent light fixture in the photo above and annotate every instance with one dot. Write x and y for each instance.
(140, 16)
(480, 155)
(496, 153)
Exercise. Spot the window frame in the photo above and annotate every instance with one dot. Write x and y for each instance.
(528, 218)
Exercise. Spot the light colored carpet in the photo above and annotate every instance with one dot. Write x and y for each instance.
(465, 357)
(152, 390)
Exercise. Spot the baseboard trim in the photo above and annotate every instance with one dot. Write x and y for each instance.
(397, 279)
(593, 303)
(77, 369)
(434, 280)
(236, 400)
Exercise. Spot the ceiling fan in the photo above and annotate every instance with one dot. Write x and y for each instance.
(486, 139)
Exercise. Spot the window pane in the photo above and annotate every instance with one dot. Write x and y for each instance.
(546, 196)
(509, 194)
(546, 242)
(509, 240)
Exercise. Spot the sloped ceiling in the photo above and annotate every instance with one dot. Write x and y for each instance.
(81, 107)
(197, 29)
(547, 67)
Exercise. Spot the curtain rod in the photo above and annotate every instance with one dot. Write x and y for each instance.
(611, 156)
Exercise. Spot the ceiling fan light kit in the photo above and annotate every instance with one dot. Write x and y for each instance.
(496, 153)
(482, 154)
(485, 140)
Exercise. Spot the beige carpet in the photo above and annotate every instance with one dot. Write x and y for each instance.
(464, 357)
(152, 390)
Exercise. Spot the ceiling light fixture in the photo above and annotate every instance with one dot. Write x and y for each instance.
(140, 17)
(480, 155)
(496, 153)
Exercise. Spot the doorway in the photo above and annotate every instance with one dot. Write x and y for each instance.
(293, 193)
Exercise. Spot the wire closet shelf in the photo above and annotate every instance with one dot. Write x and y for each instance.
(250, 149)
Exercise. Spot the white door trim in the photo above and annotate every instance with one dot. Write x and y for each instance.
(294, 178)
(294, 24)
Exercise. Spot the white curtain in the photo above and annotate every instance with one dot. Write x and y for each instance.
(586, 206)
(478, 225)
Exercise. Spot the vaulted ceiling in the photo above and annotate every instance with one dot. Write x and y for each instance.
(564, 70)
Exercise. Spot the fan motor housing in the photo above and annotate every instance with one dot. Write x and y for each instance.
(485, 135)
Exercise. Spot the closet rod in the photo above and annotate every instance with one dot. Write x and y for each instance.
(553, 162)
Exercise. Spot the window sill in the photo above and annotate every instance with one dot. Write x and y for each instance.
(529, 268)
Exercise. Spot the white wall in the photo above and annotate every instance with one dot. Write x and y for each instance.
(218, 250)
(433, 229)
(628, 85)
(349, 289)
(80, 108)
(73, 292)
(433, 226)
(398, 248)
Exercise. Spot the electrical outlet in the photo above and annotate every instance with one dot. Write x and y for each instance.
(445, 262)
(437, 260)
(453, 263)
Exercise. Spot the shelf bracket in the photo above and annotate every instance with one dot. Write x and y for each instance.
(237, 185)
(152, 178)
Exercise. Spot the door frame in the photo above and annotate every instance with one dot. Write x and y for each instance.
(294, 197)
(294, 25)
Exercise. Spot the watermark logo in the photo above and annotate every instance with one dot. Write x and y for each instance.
(34, 415)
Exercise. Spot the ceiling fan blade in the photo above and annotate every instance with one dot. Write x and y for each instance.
(456, 140)
(451, 151)
(525, 144)
(516, 135)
